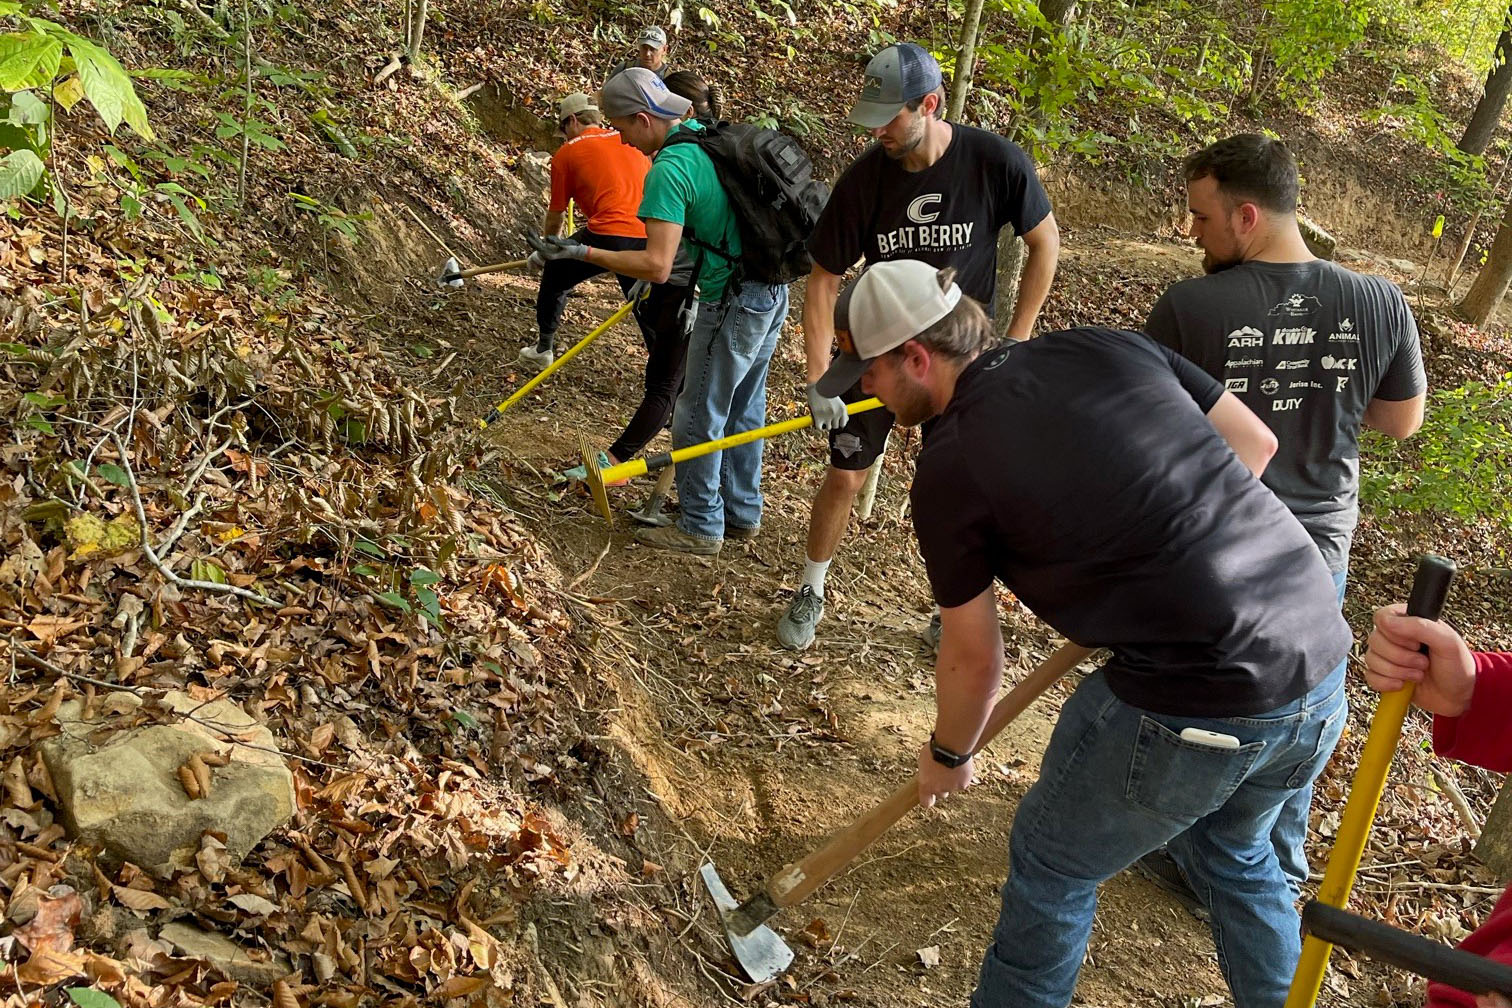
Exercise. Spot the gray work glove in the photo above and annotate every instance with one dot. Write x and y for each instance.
(638, 290)
(556, 247)
(535, 260)
(829, 411)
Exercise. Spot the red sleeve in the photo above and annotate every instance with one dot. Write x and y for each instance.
(1483, 734)
(561, 183)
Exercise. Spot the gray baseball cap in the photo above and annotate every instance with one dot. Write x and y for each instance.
(895, 76)
(639, 90)
(653, 36)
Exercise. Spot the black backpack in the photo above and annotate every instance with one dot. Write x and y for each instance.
(770, 183)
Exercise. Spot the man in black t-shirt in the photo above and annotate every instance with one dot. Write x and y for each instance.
(1110, 485)
(930, 190)
(1314, 349)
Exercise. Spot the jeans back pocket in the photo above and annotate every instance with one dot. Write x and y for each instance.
(1183, 780)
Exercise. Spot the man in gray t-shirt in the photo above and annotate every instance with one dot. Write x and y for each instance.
(1314, 349)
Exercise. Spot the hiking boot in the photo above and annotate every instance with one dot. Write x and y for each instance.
(535, 360)
(670, 537)
(931, 633)
(795, 630)
(1160, 868)
(744, 533)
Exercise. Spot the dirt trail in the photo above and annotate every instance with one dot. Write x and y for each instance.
(756, 754)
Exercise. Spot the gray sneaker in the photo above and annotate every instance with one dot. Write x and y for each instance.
(931, 633)
(536, 360)
(795, 630)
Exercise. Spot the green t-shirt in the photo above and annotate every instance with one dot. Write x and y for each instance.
(683, 188)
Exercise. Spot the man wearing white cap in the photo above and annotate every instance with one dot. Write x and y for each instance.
(651, 53)
(929, 190)
(724, 384)
(1110, 484)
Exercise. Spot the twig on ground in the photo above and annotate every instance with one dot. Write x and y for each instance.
(1457, 799)
(588, 571)
(151, 554)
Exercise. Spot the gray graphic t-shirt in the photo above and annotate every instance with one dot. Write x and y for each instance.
(1306, 346)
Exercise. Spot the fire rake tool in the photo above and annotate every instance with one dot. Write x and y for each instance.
(1429, 587)
(598, 476)
(556, 365)
(452, 274)
(757, 948)
(1441, 963)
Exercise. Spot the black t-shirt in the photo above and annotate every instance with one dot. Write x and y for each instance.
(1306, 346)
(949, 214)
(1081, 470)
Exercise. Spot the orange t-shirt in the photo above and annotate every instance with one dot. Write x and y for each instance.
(605, 178)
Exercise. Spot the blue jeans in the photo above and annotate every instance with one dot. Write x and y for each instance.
(1115, 784)
(1290, 832)
(724, 393)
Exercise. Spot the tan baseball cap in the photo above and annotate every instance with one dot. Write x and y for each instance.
(575, 104)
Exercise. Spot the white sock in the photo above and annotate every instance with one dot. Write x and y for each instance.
(813, 574)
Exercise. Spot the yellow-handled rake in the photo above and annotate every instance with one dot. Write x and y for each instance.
(598, 476)
(1429, 588)
(556, 365)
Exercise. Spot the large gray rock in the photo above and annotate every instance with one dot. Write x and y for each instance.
(122, 791)
(224, 955)
(1319, 242)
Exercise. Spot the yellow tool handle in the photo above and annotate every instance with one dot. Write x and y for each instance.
(641, 466)
(1429, 588)
(555, 365)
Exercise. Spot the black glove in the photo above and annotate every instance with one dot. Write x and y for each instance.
(556, 247)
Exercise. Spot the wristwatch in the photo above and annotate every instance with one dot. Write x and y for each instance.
(944, 756)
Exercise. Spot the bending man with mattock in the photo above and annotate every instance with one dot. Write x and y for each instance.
(1110, 485)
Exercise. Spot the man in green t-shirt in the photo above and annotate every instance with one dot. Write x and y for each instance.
(724, 388)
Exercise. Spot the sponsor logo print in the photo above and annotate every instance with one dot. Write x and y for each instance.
(1243, 362)
(1246, 337)
(1346, 326)
(917, 211)
(1291, 365)
(1301, 384)
(1270, 386)
(1285, 405)
(1342, 380)
(1236, 384)
(1333, 363)
(847, 444)
(1297, 305)
(1293, 337)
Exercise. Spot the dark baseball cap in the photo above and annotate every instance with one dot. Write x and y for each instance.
(895, 76)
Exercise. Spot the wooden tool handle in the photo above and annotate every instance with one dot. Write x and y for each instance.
(480, 270)
(794, 883)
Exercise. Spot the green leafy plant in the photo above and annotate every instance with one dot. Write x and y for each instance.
(1459, 464)
(44, 56)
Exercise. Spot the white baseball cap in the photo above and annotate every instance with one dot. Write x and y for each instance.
(886, 306)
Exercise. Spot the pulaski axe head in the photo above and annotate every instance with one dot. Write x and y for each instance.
(594, 477)
(448, 276)
(757, 948)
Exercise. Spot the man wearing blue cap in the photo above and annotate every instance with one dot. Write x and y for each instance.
(929, 190)
(724, 383)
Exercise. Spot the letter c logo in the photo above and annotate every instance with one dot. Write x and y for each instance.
(917, 212)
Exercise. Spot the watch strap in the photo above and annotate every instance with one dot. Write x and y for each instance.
(944, 756)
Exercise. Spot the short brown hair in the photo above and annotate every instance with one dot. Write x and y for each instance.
(1249, 167)
(962, 334)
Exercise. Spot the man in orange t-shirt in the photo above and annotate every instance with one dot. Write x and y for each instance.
(605, 178)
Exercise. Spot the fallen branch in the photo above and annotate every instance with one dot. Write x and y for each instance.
(157, 561)
(1457, 799)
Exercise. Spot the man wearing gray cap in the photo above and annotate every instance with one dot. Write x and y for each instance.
(651, 54)
(930, 190)
(724, 386)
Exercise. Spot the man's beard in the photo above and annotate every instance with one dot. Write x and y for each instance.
(909, 145)
(913, 406)
(1210, 265)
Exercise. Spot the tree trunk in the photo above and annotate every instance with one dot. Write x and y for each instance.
(1059, 13)
(1010, 267)
(1487, 114)
(1491, 283)
(417, 32)
(965, 59)
(1494, 849)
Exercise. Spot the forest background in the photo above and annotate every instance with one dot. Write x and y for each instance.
(240, 462)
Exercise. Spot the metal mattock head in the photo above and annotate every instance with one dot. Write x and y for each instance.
(759, 951)
(595, 480)
(450, 268)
